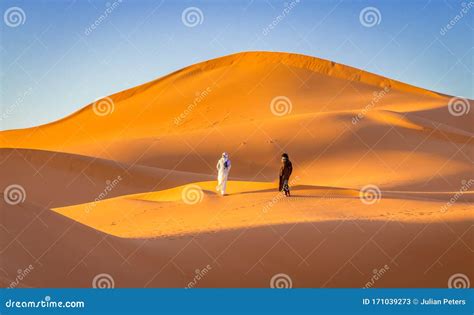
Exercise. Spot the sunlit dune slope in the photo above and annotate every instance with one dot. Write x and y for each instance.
(126, 185)
(196, 208)
(315, 254)
(333, 120)
(233, 89)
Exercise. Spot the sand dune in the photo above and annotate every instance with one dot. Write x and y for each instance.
(329, 253)
(108, 184)
(251, 205)
(56, 179)
(335, 117)
(247, 82)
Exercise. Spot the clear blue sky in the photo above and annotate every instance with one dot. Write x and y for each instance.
(52, 66)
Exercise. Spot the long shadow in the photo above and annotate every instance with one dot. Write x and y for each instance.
(340, 253)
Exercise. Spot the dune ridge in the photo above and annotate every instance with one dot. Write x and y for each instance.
(246, 61)
(146, 211)
(132, 193)
(319, 65)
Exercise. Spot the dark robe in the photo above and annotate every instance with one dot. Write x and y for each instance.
(285, 172)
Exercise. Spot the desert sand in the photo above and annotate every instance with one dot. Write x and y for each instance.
(126, 185)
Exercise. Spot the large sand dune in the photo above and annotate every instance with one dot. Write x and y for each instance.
(105, 187)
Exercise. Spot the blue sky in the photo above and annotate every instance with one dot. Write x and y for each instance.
(53, 64)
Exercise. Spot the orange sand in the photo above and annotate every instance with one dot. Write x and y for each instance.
(166, 135)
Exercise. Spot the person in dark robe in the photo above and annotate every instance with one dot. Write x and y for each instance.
(285, 173)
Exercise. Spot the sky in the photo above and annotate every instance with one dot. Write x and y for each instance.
(58, 56)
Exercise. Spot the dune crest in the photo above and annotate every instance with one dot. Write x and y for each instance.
(318, 65)
(246, 61)
(172, 212)
(127, 185)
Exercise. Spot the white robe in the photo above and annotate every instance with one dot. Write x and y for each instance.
(222, 174)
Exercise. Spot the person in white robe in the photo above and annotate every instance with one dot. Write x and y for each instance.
(223, 168)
